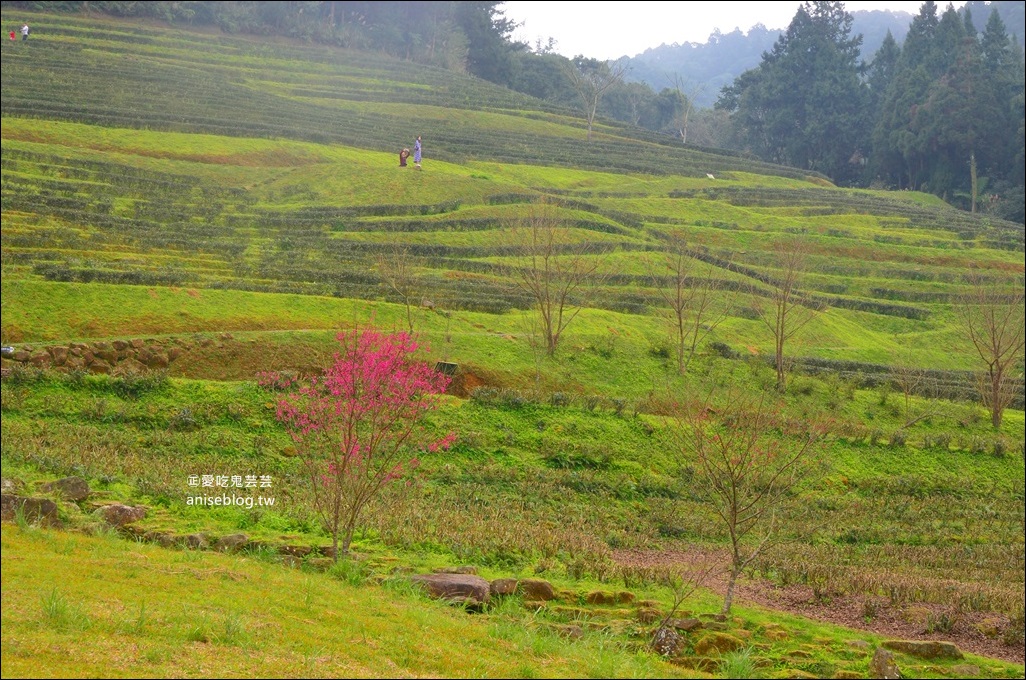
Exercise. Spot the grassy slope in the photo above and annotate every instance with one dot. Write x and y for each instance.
(115, 609)
(214, 165)
(555, 488)
(118, 609)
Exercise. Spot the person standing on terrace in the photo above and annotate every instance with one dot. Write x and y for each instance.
(416, 153)
(24, 32)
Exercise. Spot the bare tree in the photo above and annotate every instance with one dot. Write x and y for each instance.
(591, 79)
(686, 94)
(909, 379)
(396, 267)
(750, 461)
(912, 381)
(692, 310)
(553, 267)
(530, 326)
(788, 311)
(992, 321)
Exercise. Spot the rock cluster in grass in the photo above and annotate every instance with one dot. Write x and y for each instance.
(35, 510)
(924, 649)
(38, 510)
(125, 518)
(74, 490)
(602, 597)
(461, 585)
(292, 555)
(136, 355)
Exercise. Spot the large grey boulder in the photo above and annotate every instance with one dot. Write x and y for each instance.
(41, 510)
(231, 543)
(536, 589)
(882, 665)
(924, 649)
(119, 514)
(72, 489)
(667, 641)
(501, 587)
(462, 588)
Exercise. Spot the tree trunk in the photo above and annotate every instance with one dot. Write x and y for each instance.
(781, 373)
(680, 345)
(591, 116)
(997, 403)
(728, 599)
(973, 178)
(347, 540)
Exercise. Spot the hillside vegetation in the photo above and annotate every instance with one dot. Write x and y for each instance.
(183, 212)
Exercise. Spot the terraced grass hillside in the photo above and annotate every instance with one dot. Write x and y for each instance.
(282, 177)
(194, 209)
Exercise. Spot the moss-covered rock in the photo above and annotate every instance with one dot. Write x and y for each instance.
(717, 643)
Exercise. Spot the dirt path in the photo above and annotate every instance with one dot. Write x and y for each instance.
(888, 621)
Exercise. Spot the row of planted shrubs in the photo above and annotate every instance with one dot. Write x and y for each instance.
(512, 398)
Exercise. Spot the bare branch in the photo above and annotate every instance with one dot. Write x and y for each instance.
(396, 268)
(693, 312)
(789, 310)
(553, 267)
(992, 319)
(591, 79)
(686, 93)
(751, 460)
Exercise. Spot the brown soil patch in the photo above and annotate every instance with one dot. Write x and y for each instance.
(901, 622)
(464, 383)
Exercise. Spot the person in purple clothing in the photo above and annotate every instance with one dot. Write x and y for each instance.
(416, 153)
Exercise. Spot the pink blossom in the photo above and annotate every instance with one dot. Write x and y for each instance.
(358, 425)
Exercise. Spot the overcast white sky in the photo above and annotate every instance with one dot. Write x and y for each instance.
(609, 30)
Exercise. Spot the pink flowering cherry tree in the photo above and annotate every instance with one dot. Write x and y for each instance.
(360, 426)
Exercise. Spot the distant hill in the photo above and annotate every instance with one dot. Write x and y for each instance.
(708, 67)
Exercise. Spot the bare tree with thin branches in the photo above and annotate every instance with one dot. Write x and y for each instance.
(788, 310)
(396, 267)
(693, 313)
(751, 461)
(992, 320)
(686, 93)
(553, 266)
(591, 79)
(915, 381)
(909, 380)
